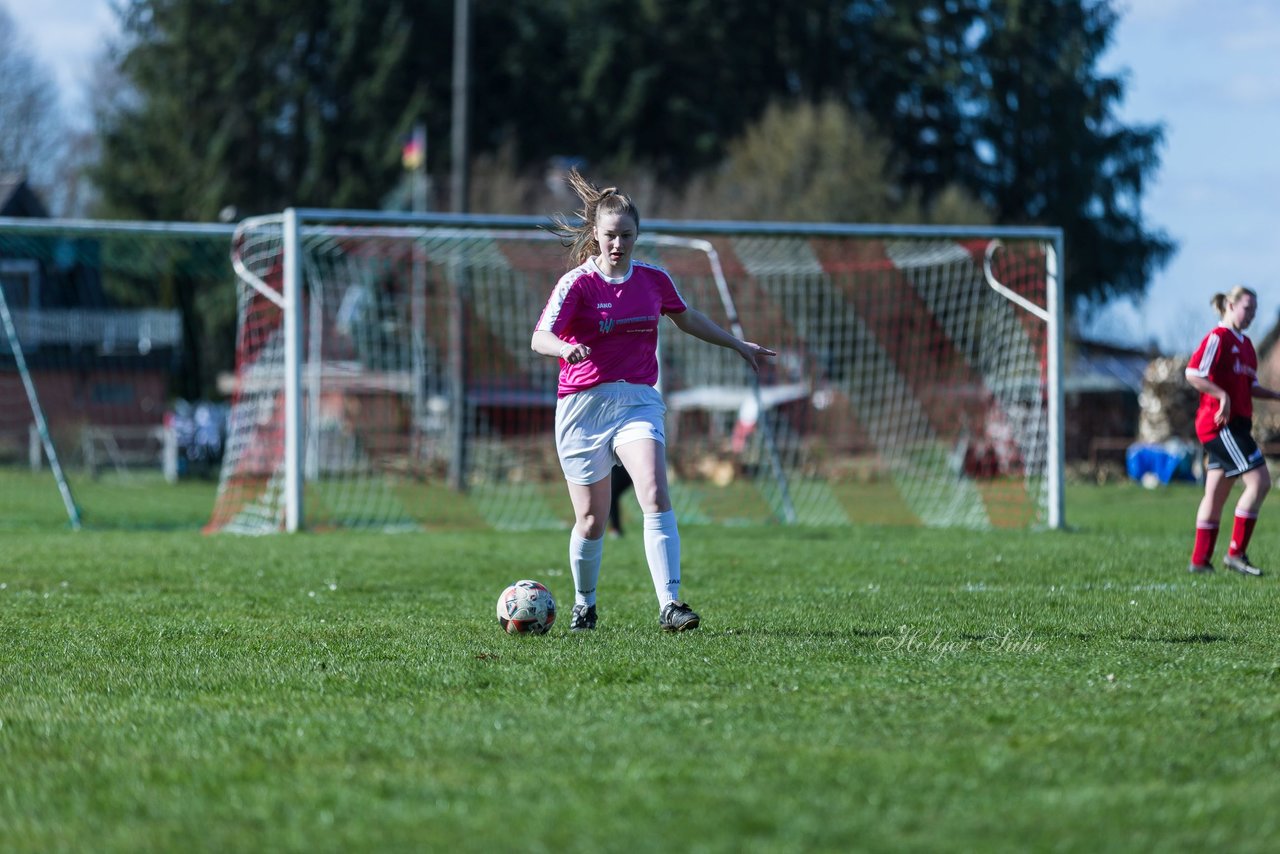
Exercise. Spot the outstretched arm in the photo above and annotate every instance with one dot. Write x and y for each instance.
(699, 325)
(1265, 393)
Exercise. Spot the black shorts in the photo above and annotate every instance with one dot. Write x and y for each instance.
(1233, 449)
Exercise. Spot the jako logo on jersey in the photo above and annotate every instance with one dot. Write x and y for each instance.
(604, 305)
(606, 326)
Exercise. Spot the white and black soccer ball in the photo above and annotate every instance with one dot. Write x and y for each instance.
(526, 607)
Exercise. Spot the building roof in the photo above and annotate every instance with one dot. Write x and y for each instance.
(17, 199)
(1268, 341)
(1095, 366)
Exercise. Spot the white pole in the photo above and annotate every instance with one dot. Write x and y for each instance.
(315, 371)
(169, 457)
(293, 446)
(15, 347)
(1057, 423)
(1055, 455)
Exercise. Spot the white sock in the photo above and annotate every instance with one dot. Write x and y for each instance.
(662, 549)
(584, 562)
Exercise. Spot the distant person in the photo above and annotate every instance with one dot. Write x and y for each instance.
(619, 483)
(601, 320)
(1224, 369)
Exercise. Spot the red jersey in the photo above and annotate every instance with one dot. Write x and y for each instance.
(1225, 358)
(616, 317)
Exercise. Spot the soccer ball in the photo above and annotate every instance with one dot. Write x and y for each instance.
(526, 607)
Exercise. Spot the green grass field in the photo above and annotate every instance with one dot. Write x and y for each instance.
(872, 688)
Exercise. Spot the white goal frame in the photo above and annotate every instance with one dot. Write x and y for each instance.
(689, 234)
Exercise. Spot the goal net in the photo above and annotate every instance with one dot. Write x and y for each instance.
(103, 328)
(914, 382)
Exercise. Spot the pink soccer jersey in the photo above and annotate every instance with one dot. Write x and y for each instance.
(616, 318)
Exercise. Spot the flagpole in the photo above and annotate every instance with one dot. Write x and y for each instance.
(420, 183)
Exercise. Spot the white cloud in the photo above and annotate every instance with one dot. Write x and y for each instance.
(1249, 27)
(1253, 90)
(1253, 39)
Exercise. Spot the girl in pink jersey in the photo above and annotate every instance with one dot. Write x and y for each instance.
(601, 321)
(1224, 369)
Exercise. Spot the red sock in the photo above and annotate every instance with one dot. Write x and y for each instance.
(1206, 538)
(1241, 532)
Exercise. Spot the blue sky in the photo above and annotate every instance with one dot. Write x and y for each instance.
(1209, 70)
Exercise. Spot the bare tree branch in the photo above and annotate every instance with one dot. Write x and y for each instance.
(32, 129)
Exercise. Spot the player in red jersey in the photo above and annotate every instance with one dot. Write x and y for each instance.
(1224, 369)
(602, 322)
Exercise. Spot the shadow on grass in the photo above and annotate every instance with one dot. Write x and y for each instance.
(1203, 637)
(801, 632)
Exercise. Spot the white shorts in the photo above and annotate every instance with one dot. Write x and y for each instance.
(591, 424)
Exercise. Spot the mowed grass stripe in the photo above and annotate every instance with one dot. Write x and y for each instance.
(851, 689)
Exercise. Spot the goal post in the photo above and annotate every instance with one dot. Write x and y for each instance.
(106, 329)
(13, 344)
(384, 377)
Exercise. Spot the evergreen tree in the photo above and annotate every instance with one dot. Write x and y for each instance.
(1005, 99)
(284, 102)
(257, 105)
(1057, 154)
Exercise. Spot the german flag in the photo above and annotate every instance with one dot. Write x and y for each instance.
(414, 153)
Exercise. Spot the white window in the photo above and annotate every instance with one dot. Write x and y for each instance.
(20, 280)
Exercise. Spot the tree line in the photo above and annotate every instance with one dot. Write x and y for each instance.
(863, 110)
